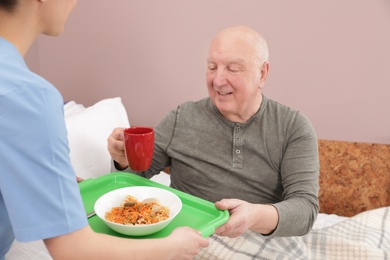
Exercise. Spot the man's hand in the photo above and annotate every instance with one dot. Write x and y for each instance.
(244, 215)
(115, 146)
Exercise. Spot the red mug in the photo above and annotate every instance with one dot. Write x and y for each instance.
(139, 147)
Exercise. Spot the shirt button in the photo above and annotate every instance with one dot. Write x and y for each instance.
(238, 151)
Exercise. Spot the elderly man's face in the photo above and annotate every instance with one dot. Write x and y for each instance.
(234, 79)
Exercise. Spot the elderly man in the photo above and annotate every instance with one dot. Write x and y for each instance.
(248, 154)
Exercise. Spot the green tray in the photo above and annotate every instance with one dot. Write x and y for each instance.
(197, 213)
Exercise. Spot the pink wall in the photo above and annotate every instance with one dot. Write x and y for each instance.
(330, 59)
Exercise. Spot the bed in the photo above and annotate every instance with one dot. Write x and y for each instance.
(354, 220)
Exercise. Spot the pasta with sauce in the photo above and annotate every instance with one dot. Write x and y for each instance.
(133, 212)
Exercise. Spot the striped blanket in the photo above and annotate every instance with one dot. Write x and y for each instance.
(364, 236)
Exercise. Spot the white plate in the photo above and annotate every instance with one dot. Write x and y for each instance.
(116, 197)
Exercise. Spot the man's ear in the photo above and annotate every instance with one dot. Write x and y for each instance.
(263, 73)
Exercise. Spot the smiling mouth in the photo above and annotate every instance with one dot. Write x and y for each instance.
(224, 93)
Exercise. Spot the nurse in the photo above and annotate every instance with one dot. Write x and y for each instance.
(39, 194)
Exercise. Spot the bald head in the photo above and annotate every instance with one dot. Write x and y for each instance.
(242, 39)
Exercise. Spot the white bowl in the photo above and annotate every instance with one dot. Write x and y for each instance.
(116, 197)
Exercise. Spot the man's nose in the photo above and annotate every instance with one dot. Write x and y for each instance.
(220, 78)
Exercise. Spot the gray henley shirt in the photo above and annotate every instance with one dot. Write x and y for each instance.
(270, 159)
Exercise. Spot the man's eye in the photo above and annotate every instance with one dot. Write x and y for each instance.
(234, 69)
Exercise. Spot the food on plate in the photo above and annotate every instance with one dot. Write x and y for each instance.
(133, 212)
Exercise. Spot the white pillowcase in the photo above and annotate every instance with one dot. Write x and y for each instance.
(72, 108)
(88, 130)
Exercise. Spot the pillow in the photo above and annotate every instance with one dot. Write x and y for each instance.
(72, 108)
(88, 130)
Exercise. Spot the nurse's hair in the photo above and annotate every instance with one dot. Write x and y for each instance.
(8, 4)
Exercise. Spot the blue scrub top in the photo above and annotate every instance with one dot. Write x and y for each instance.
(39, 194)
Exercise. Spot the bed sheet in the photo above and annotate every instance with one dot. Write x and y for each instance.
(364, 236)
